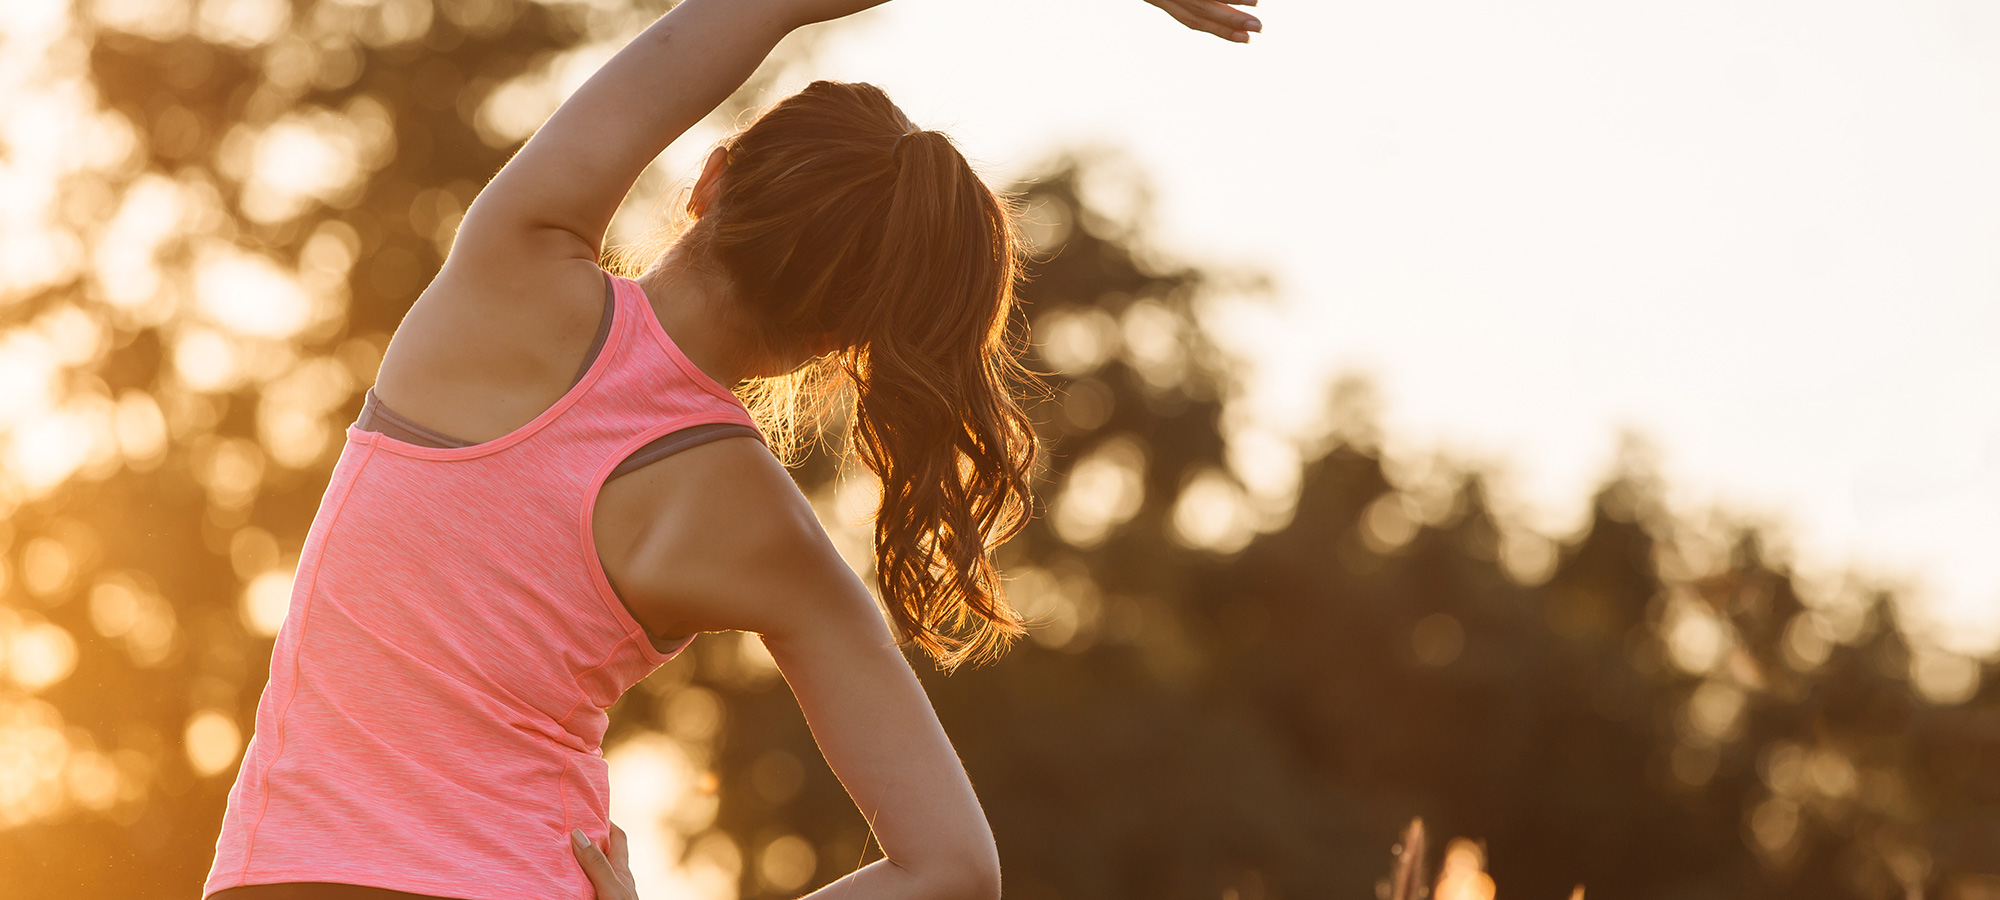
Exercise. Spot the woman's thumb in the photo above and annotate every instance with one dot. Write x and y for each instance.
(596, 867)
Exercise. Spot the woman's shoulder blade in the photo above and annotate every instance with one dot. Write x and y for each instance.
(732, 543)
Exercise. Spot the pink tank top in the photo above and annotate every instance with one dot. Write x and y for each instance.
(438, 692)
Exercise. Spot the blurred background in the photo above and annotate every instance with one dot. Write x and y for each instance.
(1573, 425)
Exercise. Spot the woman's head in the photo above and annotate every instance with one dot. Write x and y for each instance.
(844, 229)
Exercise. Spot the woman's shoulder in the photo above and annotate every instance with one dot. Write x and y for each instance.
(487, 346)
(731, 544)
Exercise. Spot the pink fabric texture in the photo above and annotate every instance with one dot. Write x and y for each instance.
(438, 692)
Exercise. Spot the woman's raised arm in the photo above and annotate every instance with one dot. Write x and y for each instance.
(557, 195)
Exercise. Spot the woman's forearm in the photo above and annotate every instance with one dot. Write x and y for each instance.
(884, 880)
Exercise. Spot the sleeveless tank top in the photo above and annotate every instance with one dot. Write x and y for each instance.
(439, 690)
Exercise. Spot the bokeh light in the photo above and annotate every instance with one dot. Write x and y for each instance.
(212, 741)
(1252, 638)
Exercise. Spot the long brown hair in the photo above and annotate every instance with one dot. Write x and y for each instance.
(838, 220)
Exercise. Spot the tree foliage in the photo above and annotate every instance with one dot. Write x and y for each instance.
(1234, 688)
(1651, 711)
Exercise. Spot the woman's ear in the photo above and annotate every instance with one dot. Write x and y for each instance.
(709, 184)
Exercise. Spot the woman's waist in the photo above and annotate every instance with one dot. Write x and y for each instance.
(398, 748)
(315, 890)
(401, 689)
(420, 821)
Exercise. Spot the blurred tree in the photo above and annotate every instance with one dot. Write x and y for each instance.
(1257, 659)
(1231, 696)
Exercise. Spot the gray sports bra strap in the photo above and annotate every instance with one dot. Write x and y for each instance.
(674, 442)
(376, 416)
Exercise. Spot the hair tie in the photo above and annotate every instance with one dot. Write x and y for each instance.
(898, 145)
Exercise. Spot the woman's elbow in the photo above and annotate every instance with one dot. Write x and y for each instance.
(971, 876)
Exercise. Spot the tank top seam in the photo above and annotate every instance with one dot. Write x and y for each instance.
(621, 327)
(578, 678)
(652, 326)
(563, 795)
(298, 653)
(594, 486)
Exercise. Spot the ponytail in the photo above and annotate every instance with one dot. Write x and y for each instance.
(837, 219)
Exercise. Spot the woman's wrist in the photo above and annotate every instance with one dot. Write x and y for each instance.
(800, 13)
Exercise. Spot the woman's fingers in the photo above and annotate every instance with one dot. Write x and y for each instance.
(602, 875)
(1221, 19)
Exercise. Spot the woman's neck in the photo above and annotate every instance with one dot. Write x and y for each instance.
(696, 307)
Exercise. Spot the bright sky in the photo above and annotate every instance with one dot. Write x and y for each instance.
(1766, 233)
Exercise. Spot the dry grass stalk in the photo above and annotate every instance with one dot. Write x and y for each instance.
(1408, 883)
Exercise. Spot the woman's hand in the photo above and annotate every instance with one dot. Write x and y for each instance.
(1214, 16)
(613, 876)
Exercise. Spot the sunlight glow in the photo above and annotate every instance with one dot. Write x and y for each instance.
(243, 23)
(300, 159)
(141, 429)
(44, 451)
(1154, 344)
(1061, 606)
(1076, 342)
(40, 654)
(92, 779)
(266, 600)
(1212, 514)
(212, 741)
(205, 359)
(1696, 640)
(391, 22)
(161, 20)
(1943, 677)
(27, 368)
(786, 863)
(121, 608)
(1527, 558)
(47, 567)
(1715, 710)
(125, 257)
(658, 797)
(1389, 523)
(231, 468)
(1104, 490)
(32, 753)
(519, 106)
(694, 714)
(1463, 876)
(249, 294)
(292, 412)
(1269, 466)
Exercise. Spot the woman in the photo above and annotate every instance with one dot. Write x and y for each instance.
(552, 489)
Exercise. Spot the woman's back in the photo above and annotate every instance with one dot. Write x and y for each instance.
(453, 643)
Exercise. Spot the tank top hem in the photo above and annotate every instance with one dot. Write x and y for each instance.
(359, 878)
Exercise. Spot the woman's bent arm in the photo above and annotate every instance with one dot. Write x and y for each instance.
(740, 549)
(557, 195)
(879, 734)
